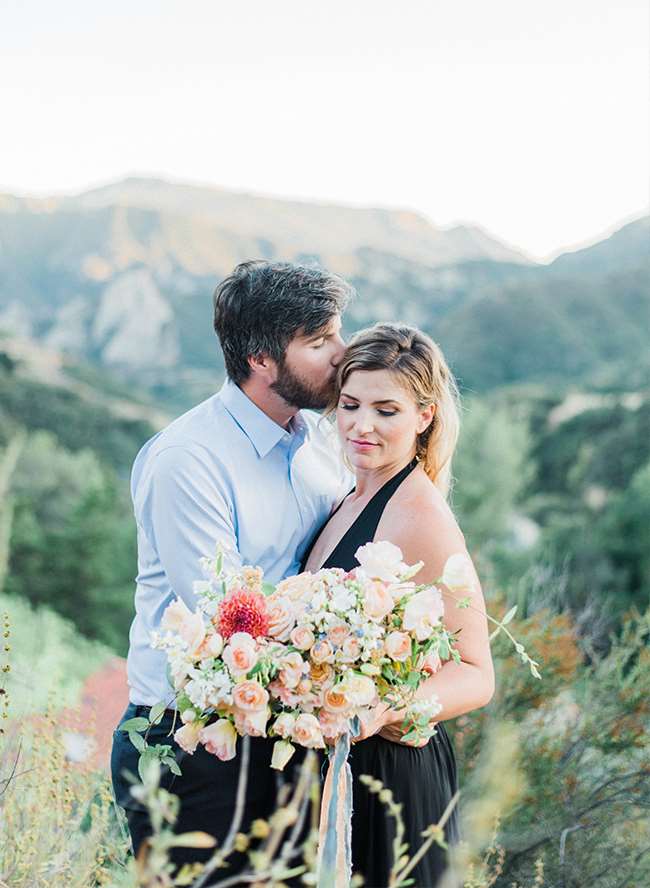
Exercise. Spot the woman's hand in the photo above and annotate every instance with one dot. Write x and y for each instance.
(394, 732)
(387, 723)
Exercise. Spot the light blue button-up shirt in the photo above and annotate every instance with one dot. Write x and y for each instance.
(225, 472)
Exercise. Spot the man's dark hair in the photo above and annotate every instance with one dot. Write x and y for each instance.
(261, 306)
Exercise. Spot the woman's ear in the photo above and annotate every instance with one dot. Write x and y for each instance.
(426, 418)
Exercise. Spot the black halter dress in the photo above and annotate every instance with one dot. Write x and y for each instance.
(423, 779)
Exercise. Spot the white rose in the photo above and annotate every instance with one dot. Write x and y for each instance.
(458, 574)
(359, 690)
(381, 561)
(423, 613)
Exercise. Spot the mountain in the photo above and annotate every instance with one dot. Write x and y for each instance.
(122, 277)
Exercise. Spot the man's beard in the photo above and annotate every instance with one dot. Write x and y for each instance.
(298, 393)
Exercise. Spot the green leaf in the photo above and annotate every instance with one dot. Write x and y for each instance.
(268, 588)
(412, 735)
(138, 741)
(135, 724)
(157, 712)
(172, 764)
(509, 616)
(495, 633)
(147, 760)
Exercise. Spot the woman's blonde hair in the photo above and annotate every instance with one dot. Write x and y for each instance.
(420, 367)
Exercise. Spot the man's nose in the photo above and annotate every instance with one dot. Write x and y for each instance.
(339, 350)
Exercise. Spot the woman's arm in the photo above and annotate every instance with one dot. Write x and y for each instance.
(425, 529)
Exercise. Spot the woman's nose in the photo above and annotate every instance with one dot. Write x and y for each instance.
(363, 422)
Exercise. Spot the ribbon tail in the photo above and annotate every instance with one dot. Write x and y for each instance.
(335, 834)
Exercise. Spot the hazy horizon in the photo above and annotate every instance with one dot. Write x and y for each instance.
(476, 223)
(531, 124)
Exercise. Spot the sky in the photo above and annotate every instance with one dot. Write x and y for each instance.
(528, 119)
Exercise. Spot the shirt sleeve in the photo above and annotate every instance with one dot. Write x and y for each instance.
(189, 512)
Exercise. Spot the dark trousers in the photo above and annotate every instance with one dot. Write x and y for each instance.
(206, 788)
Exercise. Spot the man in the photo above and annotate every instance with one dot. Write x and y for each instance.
(249, 470)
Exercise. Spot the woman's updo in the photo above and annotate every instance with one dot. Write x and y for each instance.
(420, 368)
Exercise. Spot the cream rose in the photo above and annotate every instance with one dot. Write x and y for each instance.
(351, 649)
(358, 689)
(381, 561)
(283, 725)
(322, 652)
(187, 736)
(295, 587)
(302, 637)
(220, 739)
(240, 654)
(398, 646)
(377, 600)
(291, 669)
(281, 617)
(458, 574)
(178, 618)
(423, 613)
(250, 696)
(307, 731)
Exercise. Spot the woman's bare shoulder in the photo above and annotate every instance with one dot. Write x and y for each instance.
(418, 516)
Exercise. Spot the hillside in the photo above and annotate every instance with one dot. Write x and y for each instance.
(122, 277)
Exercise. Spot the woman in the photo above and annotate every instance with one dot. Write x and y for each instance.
(397, 417)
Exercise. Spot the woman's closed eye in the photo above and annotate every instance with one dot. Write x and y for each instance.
(379, 411)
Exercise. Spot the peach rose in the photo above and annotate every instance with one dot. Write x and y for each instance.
(250, 696)
(291, 669)
(322, 652)
(431, 663)
(334, 700)
(187, 736)
(252, 723)
(178, 618)
(212, 646)
(303, 687)
(220, 739)
(336, 635)
(307, 731)
(302, 637)
(377, 602)
(351, 649)
(281, 617)
(332, 724)
(423, 613)
(240, 654)
(320, 672)
(398, 646)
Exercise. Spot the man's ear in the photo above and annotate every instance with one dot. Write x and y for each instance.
(262, 366)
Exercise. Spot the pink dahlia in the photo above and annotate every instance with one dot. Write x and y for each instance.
(243, 611)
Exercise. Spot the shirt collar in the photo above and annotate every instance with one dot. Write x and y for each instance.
(260, 429)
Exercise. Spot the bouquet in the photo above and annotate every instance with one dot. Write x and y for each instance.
(301, 660)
